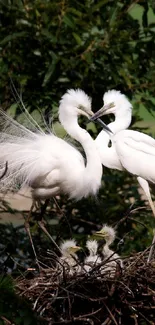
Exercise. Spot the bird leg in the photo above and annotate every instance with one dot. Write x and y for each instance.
(44, 207)
(41, 223)
(152, 247)
(145, 186)
(27, 227)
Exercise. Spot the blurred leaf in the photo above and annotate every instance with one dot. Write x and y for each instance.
(11, 111)
(91, 127)
(12, 37)
(77, 38)
(99, 5)
(58, 130)
(50, 71)
(6, 283)
(68, 21)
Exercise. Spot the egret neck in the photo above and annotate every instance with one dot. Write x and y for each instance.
(108, 155)
(92, 173)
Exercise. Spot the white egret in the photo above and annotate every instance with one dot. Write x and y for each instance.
(130, 150)
(48, 164)
(68, 261)
(111, 258)
(93, 258)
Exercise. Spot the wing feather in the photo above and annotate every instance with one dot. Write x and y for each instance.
(136, 152)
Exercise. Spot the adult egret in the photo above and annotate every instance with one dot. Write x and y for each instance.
(48, 164)
(93, 258)
(111, 258)
(68, 261)
(130, 150)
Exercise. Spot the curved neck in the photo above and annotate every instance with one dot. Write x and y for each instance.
(107, 251)
(108, 154)
(92, 173)
(84, 138)
(120, 123)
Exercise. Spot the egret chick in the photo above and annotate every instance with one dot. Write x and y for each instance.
(93, 258)
(112, 259)
(68, 261)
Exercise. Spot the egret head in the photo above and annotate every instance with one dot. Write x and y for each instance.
(92, 246)
(69, 247)
(107, 233)
(114, 103)
(74, 103)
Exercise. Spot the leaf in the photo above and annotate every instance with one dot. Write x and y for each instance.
(51, 69)
(12, 37)
(77, 38)
(75, 12)
(6, 283)
(58, 130)
(113, 16)
(99, 5)
(11, 111)
(68, 21)
(91, 127)
(24, 22)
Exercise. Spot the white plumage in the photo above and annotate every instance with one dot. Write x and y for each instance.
(137, 153)
(122, 111)
(69, 259)
(93, 258)
(47, 163)
(112, 259)
(130, 150)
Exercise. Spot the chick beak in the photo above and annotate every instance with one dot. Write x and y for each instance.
(100, 234)
(74, 249)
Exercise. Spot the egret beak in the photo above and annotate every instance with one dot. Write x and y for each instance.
(106, 109)
(104, 126)
(74, 249)
(89, 114)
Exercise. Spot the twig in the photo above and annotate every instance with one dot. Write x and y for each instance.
(145, 319)
(7, 322)
(110, 313)
(107, 321)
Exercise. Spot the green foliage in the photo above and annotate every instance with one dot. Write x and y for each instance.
(49, 46)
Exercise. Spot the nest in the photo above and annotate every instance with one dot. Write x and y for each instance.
(92, 298)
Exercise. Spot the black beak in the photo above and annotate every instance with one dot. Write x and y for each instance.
(104, 126)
